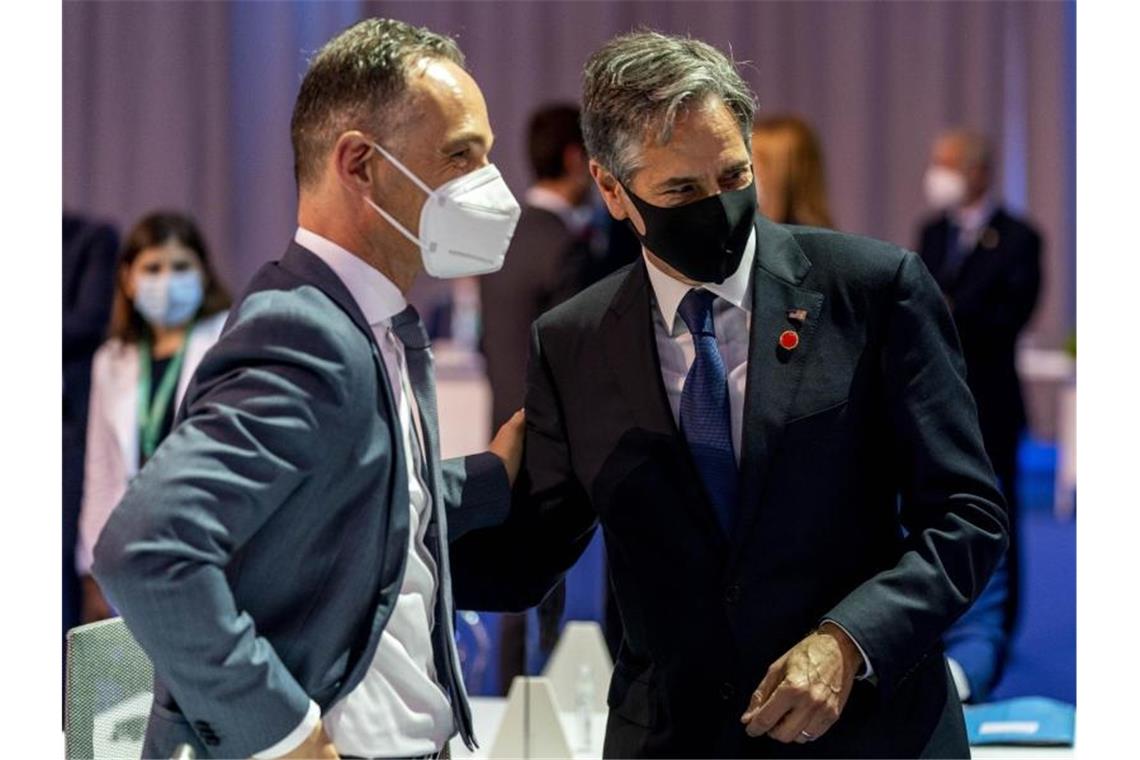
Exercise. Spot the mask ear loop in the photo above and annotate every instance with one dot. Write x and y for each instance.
(388, 217)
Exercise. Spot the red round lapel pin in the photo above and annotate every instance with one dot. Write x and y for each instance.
(789, 339)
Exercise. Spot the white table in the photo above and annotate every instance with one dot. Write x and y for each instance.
(487, 712)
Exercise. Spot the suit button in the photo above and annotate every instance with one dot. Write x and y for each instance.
(732, 594)
(727, 691)
(211, 741)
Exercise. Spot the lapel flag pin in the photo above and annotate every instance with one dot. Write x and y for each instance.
(789, 339)
(797, 315)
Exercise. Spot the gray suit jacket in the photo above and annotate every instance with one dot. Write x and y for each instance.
(259, 553)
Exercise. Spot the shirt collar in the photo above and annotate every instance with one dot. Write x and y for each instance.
(669, 292)
(574, 217)
(973, 218)
(378, 297)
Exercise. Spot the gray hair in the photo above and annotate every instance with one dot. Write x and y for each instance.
(640, 82)
(358, 81)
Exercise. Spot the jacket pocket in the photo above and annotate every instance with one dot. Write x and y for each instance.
(630, 694)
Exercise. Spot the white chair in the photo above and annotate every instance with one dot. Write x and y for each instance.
(531, 726)
(109, 692)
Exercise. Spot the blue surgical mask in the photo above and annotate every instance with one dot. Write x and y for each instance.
(168, 299)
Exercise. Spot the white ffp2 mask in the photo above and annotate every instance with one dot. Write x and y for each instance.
(945, 188)
(465, 224)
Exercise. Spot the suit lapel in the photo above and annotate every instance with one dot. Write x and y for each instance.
(308, 267)
(774, 373)
(631, 350)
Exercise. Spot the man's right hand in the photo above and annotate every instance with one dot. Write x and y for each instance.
(508, 444)
(318, 745)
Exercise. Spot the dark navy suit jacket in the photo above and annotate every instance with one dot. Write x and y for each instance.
(870, 410)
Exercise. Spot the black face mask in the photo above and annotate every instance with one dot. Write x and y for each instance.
(703, 240)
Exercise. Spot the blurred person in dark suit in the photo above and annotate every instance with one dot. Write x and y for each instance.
(791, 184)
(988, 263)
(545, 265)
(771, 425)
(89, 249)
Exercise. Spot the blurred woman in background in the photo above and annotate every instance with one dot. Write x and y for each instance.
(788, 163)
(168, 310)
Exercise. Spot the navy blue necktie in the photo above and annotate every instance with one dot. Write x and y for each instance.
(706, 421)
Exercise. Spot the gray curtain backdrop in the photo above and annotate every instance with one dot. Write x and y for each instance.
(187, 104)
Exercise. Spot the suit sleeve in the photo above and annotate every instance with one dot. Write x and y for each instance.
(255, 424)
(951, 509)
(476, 492)
(514, 566)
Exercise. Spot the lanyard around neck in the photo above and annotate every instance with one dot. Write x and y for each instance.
(153, 411)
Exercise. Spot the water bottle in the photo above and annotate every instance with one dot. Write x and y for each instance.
(584, 704)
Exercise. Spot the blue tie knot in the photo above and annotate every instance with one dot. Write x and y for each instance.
(696, 311)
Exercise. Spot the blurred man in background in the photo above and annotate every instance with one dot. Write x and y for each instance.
(987, 262)
(544, 264)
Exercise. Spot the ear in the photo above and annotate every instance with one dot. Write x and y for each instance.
(350, 158)
(610, 190)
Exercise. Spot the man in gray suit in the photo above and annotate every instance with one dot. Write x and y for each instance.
(282, 556)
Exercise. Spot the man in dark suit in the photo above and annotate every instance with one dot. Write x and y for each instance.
(988, 264)
(281, 558)
(755, 414)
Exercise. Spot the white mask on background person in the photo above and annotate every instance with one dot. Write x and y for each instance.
(465, 224)
(945, 188)
(168, 299)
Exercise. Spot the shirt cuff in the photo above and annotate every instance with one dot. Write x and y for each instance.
(961, 682)
(868, 671)
(295, 737)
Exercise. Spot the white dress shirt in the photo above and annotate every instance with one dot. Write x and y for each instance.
(399, 709)
(971, 221)
(732, 320)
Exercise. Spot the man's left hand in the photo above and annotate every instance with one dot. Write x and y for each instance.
(508, 444)
(805, 691)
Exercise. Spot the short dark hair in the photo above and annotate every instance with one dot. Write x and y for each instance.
(153, 230)
(356, 81)
(552, 129)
